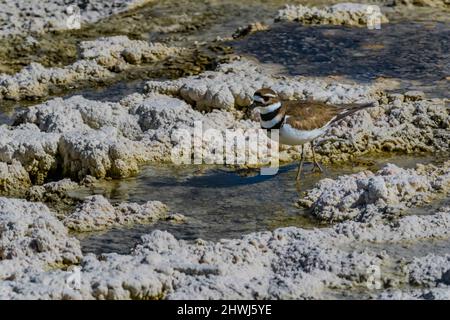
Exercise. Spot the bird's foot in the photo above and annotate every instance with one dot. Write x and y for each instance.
(316, 165)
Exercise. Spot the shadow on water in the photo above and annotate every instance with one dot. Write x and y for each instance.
(221, 178)
(416, 53)
(217, 203)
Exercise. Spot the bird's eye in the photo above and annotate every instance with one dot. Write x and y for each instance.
(266, 98)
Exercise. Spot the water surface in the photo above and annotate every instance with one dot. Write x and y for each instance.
(414, 54)
(218, 202)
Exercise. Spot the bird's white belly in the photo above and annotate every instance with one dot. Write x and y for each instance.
(291, 136)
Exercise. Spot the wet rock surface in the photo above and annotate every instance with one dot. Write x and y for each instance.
(56, 194)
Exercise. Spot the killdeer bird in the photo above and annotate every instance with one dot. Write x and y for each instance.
(300, 121)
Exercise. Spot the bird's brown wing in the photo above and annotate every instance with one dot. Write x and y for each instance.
(310, 115)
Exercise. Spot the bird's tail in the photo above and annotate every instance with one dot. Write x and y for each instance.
(352, 108)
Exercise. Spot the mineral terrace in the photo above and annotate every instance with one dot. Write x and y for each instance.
(60, 144)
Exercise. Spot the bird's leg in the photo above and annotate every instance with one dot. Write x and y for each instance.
(300, 166)
(316, 164)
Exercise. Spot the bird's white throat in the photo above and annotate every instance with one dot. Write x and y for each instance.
(270, 108)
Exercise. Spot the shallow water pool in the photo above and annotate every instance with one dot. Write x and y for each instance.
(218, 202)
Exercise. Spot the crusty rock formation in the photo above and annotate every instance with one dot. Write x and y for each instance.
(232, 86)
(287, 263)
(104, 139)
(55, 192)
(96, 213)
(30, 231)
(423, 3)
(77, 113)
(35, 150)
(401, 125)
(352, 14)
(409, 228)
(100, 153)
(13, 178)
(20, 17)
(366, 196)
(431, 272)
(111, 52)
(102, 59)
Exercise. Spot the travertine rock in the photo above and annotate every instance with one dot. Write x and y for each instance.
(353, 14)
(102, 59)
(20, 17)
(287, 263)
(233, 85)
(96, 213)
(35, 150)
(100, 153)
(366, 196)
(30, 231)
(13, 178)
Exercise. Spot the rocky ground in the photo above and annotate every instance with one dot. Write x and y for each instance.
(24, 17)
(60, 144)
(283, 264)
(369, 197)
(101, 60)
(338, 14)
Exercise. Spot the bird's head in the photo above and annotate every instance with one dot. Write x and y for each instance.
(265, 97)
